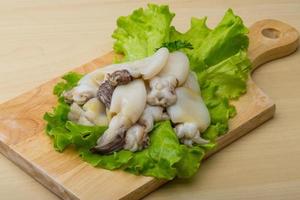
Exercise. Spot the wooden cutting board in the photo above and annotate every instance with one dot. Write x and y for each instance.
(23, 140)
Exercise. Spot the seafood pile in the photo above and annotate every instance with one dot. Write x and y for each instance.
(130, 97)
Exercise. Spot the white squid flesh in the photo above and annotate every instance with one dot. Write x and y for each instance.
(173, 74)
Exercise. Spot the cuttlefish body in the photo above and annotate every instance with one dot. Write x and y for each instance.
(127, 105)
(172, 75)
(189, 113)
(88, 86)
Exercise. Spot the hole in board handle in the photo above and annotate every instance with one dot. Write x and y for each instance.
(271, 33)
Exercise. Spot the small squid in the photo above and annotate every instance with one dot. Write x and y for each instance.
(110, 76)
(174, 74)
(137, 136)
(127, 105)
(189, 113)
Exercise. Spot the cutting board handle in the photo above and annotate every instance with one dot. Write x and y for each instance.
(271, 39)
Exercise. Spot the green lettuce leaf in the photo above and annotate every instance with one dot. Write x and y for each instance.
(158, 159)
(211, 46)
(61, 137)
(227, 39)
(57, 118)
(85, 137)
(196, 36)
(165, 157)
(189, 164)
(113, 161)
(229, 76)
(70, 81)
(141, 33)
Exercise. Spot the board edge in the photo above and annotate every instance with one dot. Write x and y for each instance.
(38, 174)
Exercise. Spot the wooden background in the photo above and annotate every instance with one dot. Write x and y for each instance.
(40, 40)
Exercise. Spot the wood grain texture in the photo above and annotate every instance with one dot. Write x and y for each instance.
(46, 38)
(23, 140)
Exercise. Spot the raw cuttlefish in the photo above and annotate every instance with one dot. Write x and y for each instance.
(130, 97)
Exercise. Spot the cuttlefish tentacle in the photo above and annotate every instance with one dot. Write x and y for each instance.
(137, 136)
(188, 133)
(162, 91)
(152, 114)
(127, 105)
(113, 138)
(190, 115)
(174, 74)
